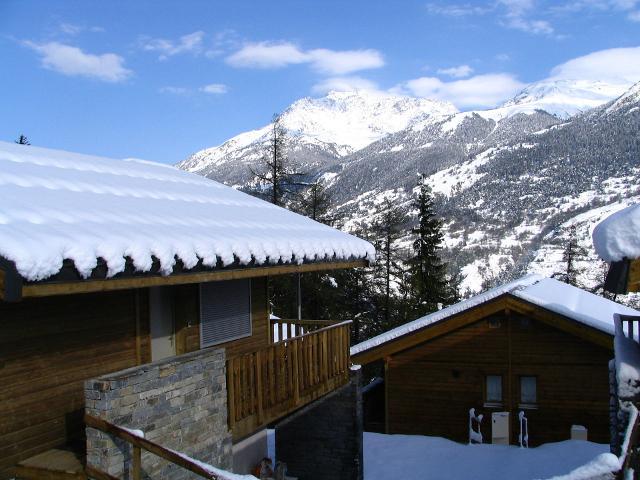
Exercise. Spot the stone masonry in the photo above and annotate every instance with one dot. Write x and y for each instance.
(179, 403)
(324, 439)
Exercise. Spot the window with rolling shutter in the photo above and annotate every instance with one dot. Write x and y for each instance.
(225, 311)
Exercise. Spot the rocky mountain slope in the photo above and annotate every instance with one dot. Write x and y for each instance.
(510, 181)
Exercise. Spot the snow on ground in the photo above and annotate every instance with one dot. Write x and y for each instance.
(57, 205)
(415, 457)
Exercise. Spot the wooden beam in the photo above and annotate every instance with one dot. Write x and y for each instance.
(99, 474)
(66, 288)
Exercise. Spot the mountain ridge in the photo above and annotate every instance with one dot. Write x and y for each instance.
(507, 184)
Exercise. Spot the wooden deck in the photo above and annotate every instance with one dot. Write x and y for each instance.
(268, 384)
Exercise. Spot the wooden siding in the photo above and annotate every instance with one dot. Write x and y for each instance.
(48, 347)
(633, 282)
(431, 387)
(187, 301)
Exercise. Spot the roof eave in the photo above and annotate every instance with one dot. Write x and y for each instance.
(143, 280)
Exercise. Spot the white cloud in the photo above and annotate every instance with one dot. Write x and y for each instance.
(346, 61)
(456, 10)
(480, 91)
(267, 55)
(530, 26)
(72, 29)
(343, 84)
(634, 16)
(190, 43)
(214, 88)
(615, 65)
(511, 13)
(174, 90)
(281, 54)
(460, 71)
(72, 61)
(516, 17)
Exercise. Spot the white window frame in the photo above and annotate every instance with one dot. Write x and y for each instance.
(530, 405)
(230, 339)
(491, 402)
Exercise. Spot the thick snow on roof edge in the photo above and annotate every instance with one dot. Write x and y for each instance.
(618, 235)
(57, 206)
(558, 297)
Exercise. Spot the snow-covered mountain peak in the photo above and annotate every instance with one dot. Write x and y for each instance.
(564, 97)
(340, 122)
(356, 119)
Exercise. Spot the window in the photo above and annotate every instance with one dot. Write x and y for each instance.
(225, 311)
(528, 390)
(494, 389)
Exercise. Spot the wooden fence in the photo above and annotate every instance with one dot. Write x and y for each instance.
(272, 382)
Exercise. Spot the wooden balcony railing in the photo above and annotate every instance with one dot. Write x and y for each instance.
(138, 444)
(282, 328)
(269, 384)
(627, 325)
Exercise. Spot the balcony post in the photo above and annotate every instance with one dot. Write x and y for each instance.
(299, 297)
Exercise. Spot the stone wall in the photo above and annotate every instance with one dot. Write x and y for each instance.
(179, 403)
(324, 439)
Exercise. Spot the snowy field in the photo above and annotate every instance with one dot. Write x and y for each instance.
(414, 457)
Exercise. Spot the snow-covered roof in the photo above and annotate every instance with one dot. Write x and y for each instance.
(56, 205)
(618, 235)
(550, 294)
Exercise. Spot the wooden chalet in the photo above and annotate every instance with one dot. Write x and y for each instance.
(108, 265)
(534, 345)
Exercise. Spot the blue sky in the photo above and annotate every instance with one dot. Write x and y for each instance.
(160, 80)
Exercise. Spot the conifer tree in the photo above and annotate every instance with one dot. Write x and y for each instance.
(431, 289)
(315, 203)
(276, 174)
(387, 230)
(23, 140)
(572, 253)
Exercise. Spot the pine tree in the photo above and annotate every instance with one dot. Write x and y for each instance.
(572, 253)
(315, 203)
(276, 175)
(387, 229)
(431, 289)
(23, 140)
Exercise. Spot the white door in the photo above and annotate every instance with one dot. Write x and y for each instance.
(162, 324)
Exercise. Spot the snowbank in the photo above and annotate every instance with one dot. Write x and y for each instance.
(618, 235)
(56, 205)
(415, 457)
